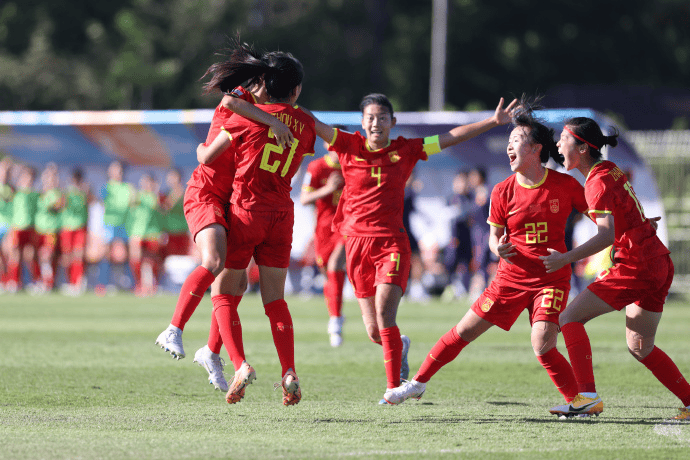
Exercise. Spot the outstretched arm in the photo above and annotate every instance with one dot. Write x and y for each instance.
(459, 134)
(246, 109)
(334, 182)
(323, 130)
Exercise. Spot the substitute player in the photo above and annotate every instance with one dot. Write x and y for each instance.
(205, 205)
(175, 226)
(529, 212)
(74, 218)
(48, 223)
(638, 281)
(323, 185)
(369, 215)
(23, 240)
(262, 216)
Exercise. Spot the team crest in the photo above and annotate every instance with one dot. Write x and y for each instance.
(554, 205)
(486, 305)
(394, 156)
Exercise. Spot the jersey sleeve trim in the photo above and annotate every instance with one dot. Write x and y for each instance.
(335, 136)
(599, 211)
(432, 145)
(495, 225)
(228, 133)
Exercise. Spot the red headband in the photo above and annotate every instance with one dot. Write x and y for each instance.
(578, 137)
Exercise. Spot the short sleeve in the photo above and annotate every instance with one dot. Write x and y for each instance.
(497, 216)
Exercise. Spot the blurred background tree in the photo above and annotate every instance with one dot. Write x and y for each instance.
(150, 54)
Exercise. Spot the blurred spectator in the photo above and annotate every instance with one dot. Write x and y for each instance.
(48, 210)
(416, 289)
(118, 197)
(458, 253)
(145, 231)
(6, 194)
(73, 235)
(483, 265)
(23, 239)
(435, 277)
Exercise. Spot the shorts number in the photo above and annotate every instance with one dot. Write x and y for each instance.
(536, 233)
(553, 298)
(273, 167)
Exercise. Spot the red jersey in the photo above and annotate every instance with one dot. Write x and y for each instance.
(608, 191)
(318, 173)
(374, 192)
(264, 169)
(534, 218)
(218, 176)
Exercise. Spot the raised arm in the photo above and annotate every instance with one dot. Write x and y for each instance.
(323, 130)
(205, 154)
(459, 134)
(246, 109)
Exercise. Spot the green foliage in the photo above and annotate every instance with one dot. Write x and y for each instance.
(81, 378)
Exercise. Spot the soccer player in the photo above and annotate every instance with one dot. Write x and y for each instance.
(638, 281)
(118, 197)
(528, 214)
(262, 216)
(175, 225)
(75, 217)
(369, 215)
(145, 229)
(6, 195)
(23, 238)
(48, 223)
(206, 201)
(323, 185)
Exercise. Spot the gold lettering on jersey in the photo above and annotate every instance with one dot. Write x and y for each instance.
(394, 156)
(291, 122)
(486, 305)
(553, 205)
(616, 173)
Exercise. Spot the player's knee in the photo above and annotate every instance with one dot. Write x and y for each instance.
(213, 263)
(543, 339)
(640, 347)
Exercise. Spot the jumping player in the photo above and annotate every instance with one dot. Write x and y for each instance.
(369, 215)
(639, 280)
(323, 185)
(528, 214)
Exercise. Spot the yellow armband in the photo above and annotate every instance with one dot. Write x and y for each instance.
(431, 145)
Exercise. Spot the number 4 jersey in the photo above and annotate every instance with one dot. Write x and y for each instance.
(535, 219)
(264, 169)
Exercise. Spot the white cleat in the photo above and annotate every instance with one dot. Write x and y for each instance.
(214, 365)
(411, 389)
(335, 330)
(171, 340)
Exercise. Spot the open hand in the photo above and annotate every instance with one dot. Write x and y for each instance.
(554, 261)
(504, 116)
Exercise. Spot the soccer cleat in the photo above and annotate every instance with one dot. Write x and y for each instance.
(335, 330)
(404, 366)
(684, 415)
(171, 340)
(214, 365)
(411, 389)
(580, 405)
(244, 376)
(292, 392)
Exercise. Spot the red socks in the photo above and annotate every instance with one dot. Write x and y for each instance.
(392, 354)
(666, 371)
(560, 372)
(214, 339)
(446, 350)
(283, 334)
(230, 327)
(580, 354)
(192, 292)
(333, 292)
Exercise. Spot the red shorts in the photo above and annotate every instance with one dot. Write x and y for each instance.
(72, 240)
(177, 245)
(645, 284)
(151, 246)
(377, 260)
(324, 244)
(21, 238)
(502, 305)
(265, 235)
(202, 207)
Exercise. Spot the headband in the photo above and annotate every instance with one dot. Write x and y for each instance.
(581, 139)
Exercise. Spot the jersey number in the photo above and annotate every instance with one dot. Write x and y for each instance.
(376, 172)
(273, 167)
(628, 187)
(536, 232)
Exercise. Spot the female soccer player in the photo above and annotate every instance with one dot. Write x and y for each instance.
(323, 185)
(370, 211)
(262, 215)
(75, 217)
(23, 240)
(528, 214)
(638, 281)
(205, 207)
(48, 213)
(176, 229)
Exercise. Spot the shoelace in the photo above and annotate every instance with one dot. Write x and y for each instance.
(218, 361)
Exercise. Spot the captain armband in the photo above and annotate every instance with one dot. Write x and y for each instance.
(431, 145)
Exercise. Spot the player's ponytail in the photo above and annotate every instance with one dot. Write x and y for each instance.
(587, 132)
(539, 133)
(283, 74)
(243, 65)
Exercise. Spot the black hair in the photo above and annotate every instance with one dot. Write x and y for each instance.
(376, 99)
(78, 174)
(283, 75)
(340, 127)
(588, 129)
(243, 64)
(539, 134)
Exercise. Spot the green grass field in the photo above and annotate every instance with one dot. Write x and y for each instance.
(81, 378)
